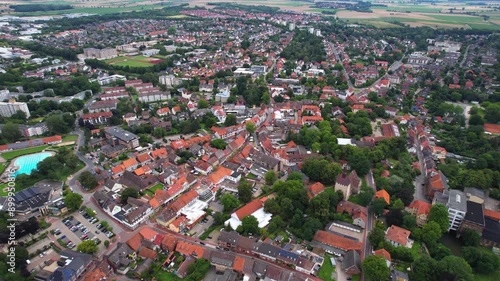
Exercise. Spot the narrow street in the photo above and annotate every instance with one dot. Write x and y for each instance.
(367, 247)
(420, 180)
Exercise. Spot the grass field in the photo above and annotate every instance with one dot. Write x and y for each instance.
(99, 10)
(70, 138)
(156, 187)
(13, 154)
(135, 61)
(325, 272)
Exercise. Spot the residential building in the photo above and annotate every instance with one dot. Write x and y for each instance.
(7, 109)
(254, 208)
(118, 136)
(474, 218)
(420, 209)
(351, 263)
(335, 243)
(398, 236)
(456, 202)
(384, 195)
(358, 213)
(72, 266)
(348, 184)
(383, 253)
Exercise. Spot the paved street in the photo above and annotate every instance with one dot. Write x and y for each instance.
(420, 181)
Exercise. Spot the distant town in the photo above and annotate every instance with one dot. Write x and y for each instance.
(235, 142)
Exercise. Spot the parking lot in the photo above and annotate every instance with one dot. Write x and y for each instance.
(80, 227)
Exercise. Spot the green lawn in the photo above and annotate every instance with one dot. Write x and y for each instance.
(135, 61)
(16, 153)
(156, 187)
(416, 250)
(325, 272)
(166, 276)
(2, 167)
(70, 138)
(356, 277)
(487, 277)
(99, 11)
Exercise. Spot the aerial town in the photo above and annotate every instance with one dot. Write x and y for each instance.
(236, 142)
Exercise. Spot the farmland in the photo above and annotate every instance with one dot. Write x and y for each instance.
(134, 61)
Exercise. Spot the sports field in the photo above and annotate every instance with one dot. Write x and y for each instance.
(135, 61)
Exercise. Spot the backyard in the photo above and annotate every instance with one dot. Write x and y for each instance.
(326, 270)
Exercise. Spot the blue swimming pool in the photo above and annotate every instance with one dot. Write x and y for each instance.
(27, 163)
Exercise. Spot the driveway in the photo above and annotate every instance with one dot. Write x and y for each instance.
(341, 275)
(37, 263)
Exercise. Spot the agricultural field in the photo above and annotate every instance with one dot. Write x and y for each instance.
(135, 61)
(440, 19)
(92, 7)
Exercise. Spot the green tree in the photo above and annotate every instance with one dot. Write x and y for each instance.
(249, 226)
(11, 132)
(375, 269)
(378, 206)
(59, 123)
(424, 269)
(229, 201)
(270, 177)
(439, 214)
(482, 260)
(73, 201)
(203, 104)
(455, 268)
(470, 237)
(377, 237)
(398, 204)
(218, 143)
(87, 180)
(159, 132)
(250, 127)
(431, 233)
(128, 192)
(106, 243)
(245, 191)
(87, 247)
(230, 120)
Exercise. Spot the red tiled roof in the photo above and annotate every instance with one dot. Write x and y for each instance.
(494, 215)
(147, 253)
(160, 152)
(143, 157)
(421, 206)
(135, 242)
(492, 128)
(398, 235)
(383, 253)
(169, 242)
(219, 174)
(184, 199)
(239, 264)
(148, 233)
(315, 189)
(249, 209)
(52, 139)
(336, 241)
(186, 248)
(383, 194)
